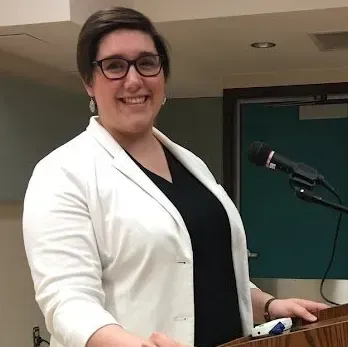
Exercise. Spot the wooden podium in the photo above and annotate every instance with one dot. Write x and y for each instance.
(331, 330)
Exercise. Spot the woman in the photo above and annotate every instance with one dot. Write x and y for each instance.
(130, 240)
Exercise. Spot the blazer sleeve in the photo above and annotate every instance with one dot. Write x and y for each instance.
(63, 255)
(252, 285)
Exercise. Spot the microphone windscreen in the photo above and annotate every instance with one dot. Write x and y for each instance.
(258, 153)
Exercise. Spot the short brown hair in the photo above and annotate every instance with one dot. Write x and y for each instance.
(103, 22)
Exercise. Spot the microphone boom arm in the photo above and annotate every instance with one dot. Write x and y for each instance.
(308, 196)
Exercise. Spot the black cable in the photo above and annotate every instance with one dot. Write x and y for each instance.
(333, 248)
(330, 262)
(43, 340)
(39, 340)
(333, 191)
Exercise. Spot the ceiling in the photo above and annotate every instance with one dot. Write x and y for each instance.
(208, 53)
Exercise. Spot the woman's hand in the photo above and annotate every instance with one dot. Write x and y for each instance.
(161, 340)
(300, 308)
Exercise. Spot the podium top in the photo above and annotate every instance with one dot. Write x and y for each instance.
(330, 330)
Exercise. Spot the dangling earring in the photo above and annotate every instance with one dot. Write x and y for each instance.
(164, 101)
(92, 106)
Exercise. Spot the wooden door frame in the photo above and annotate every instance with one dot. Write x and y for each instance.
(231, 127)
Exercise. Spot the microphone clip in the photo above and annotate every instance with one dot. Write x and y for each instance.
(298, 180)
(303, 188)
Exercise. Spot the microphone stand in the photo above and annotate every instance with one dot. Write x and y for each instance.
(310, 197)
(303, 186)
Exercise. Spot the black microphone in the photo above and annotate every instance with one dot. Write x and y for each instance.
(261, 154)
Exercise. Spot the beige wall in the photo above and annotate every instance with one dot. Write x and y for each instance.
(81, 9)
(19, 312)
(34, 119)
(286, 77)
(21, 12)
(46, 11)
(334, 290)
(168, 10)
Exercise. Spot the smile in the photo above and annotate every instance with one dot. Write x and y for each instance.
(134, 100)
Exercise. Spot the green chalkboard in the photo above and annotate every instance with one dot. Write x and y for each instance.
(293, 238)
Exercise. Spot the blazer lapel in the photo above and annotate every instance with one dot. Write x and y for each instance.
(122, 162)
(129, 168)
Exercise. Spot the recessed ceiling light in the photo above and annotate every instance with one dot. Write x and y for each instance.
(263, 44)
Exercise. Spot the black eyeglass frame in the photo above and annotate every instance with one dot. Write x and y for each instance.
(130, 63)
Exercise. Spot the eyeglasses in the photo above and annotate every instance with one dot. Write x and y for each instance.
(115, 68)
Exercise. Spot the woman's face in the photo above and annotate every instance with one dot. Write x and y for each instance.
(128, 105)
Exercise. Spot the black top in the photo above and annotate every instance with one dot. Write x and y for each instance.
(217, 317)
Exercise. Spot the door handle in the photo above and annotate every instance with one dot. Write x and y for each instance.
(252, 255)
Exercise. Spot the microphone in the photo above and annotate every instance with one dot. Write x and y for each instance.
(261, 154)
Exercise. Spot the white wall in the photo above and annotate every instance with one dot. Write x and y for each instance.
(168, 10)
(82, 9)
(334, 290)
(21, 12)
(34, 119)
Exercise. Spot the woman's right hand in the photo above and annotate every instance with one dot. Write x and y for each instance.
(161, 340)
(116, 336)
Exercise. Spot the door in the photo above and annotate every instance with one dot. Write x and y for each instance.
(293, 238)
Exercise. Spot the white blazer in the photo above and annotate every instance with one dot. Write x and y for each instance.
(106, 246)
